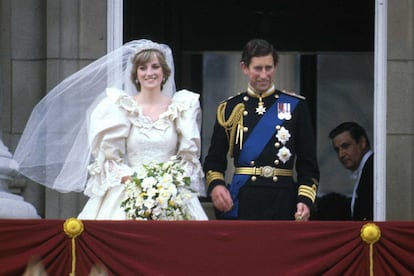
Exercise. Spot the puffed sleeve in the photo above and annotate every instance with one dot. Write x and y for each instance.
(188, 123)
(107, 132)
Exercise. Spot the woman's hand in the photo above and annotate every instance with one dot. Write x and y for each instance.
(126, 178)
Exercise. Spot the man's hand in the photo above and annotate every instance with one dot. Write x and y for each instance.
(302, 212)
(221, 198)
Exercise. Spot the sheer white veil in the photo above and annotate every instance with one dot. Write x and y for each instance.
(54, 149)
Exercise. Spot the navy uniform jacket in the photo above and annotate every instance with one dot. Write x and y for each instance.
(261, 197)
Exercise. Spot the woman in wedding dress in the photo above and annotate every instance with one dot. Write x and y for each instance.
(147, 127)
(137, 119)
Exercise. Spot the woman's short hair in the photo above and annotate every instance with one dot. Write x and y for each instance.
(145, 56)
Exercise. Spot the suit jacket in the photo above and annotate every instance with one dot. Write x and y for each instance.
(364, 203)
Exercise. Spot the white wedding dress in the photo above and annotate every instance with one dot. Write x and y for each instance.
(122, 139)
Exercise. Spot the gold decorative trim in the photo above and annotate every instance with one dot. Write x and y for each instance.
(212, 175)
(308, 192)
(233, 126)
(73, 227)
(252, 92)
(370, 233)
(293, 94)
(265, 171)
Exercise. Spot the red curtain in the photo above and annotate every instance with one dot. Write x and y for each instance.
(208, 248)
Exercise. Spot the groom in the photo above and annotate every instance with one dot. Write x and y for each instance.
(266, 131)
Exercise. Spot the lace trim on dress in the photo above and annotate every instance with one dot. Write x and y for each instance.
(181, 101)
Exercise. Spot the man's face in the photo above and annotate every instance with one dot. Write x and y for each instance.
(260, 72)
(349, 151)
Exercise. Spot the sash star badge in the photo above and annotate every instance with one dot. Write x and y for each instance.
(283, 135)
(284, 154)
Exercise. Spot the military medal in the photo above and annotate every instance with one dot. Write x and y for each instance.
(260, 109)
(283, 111)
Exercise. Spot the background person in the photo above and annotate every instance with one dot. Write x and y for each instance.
(353, 149)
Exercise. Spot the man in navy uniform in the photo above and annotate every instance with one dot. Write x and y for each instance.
(267, 132)
(351, 144)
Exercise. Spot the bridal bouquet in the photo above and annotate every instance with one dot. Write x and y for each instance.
(158, 191)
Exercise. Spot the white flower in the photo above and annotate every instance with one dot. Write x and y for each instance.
(148, 182)
(149, 203)
(166, 180)
(172, 189)
(141, 172)
(151, 192)
(139, 201)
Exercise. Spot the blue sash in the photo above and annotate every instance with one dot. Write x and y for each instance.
(254, 146)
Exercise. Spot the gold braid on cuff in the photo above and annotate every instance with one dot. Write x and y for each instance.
(212, 175)
(308, 191)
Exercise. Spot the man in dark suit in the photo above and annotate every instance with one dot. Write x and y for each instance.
(267, 132)
(352, 146)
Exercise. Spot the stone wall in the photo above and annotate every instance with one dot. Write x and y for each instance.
(42, 42)
(400, 111)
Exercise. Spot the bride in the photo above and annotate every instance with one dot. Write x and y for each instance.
(136, 119)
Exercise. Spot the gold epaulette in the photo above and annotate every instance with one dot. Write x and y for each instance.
(233, 126)
(293, 94)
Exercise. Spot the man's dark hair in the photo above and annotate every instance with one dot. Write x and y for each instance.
(258, 48)
(354, 129)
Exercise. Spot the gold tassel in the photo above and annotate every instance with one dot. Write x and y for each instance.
(73, 228)
(370, 233)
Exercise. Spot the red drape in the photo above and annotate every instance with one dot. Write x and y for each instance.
(208, 248)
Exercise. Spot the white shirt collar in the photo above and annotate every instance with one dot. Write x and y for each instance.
(357, 173)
